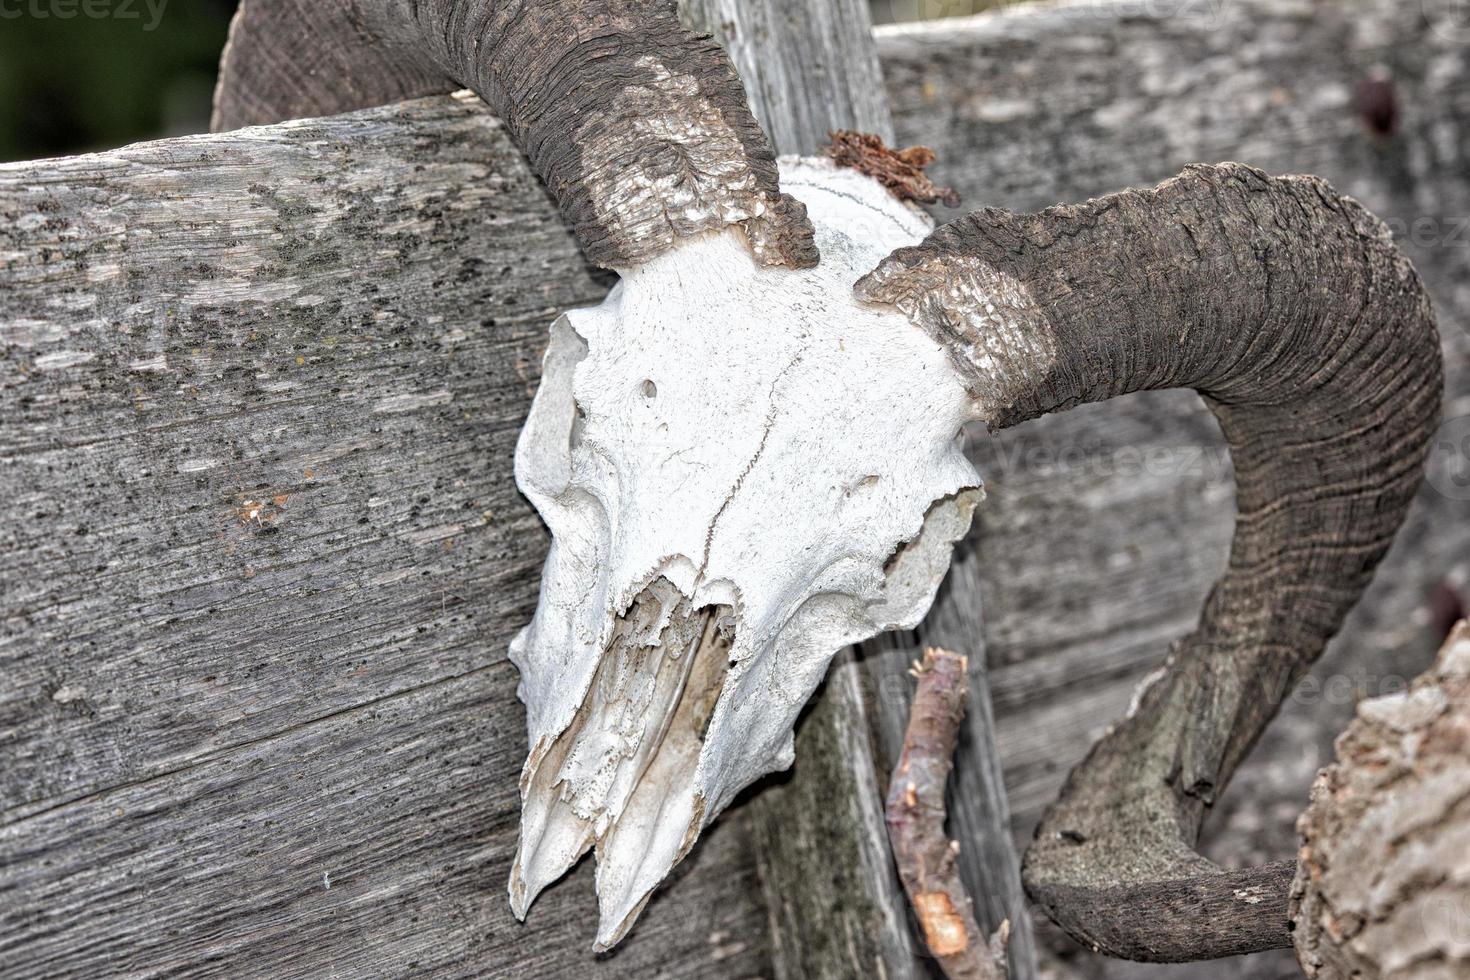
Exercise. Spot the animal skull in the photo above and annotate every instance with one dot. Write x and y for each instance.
(744, 469)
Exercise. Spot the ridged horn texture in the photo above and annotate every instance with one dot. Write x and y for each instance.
(1311, 339)
(640, 128)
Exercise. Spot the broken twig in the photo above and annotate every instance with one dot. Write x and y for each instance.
(916, 814)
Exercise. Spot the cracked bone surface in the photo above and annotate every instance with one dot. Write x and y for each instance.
(744, 470)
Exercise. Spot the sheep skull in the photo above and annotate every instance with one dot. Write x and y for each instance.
(744, 469)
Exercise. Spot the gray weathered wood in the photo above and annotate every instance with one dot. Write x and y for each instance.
(286, 745)
(808, 68)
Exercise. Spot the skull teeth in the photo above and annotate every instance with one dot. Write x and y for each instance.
(624, 770)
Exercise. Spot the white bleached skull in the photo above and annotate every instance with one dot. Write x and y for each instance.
(744, 470)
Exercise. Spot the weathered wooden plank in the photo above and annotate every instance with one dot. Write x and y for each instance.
(1104, 526)
(808, 68)
(372, 842)
(262, 554)
(196, 324)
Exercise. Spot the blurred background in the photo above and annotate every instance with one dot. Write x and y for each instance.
(80, 84)
(77, 84)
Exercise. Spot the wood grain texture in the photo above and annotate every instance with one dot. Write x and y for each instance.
(286, 744)
(808, 68)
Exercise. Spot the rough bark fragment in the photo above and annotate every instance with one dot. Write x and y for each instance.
(901, 171)
(916, 816)
(639, 127)
(1311, 339)
(1383, 883)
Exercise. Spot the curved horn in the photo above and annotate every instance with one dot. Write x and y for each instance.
(1312, 341)
(639, 127)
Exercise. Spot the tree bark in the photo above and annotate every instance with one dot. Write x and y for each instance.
(1383, 884)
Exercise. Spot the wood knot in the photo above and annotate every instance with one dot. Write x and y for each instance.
(262, 513)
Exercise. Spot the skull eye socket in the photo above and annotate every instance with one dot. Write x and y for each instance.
(648, 388)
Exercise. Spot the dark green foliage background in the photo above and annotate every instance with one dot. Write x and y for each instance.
(79, 84)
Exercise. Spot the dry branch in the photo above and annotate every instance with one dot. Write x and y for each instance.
(916, 813)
